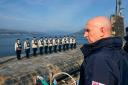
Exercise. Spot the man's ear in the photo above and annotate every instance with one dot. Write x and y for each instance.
(102, 31)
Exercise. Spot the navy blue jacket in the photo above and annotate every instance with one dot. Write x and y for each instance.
(105, 63)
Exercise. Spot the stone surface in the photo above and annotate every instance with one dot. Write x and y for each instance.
(23, 72)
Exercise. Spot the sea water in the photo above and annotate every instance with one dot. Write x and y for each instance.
(7, 42)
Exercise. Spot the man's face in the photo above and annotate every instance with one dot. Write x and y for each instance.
(27, 40)
(34, 38)
(18, 41)
(92, 33)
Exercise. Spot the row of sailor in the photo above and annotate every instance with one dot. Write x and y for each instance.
(46, 45)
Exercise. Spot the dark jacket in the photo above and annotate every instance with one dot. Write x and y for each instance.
(126, 46)
(105, 63)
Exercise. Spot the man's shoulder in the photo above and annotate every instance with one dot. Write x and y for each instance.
(111, 55)
(110, 52)
(101, 53)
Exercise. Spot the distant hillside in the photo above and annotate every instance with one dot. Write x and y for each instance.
(79, 36)
(50, 33)
(47, 33)
(8, 31)
(79, 33)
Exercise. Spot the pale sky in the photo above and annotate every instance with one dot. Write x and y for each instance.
(49, 15)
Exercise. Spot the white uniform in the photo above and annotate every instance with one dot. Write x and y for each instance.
(49, 42)
(71, 40)
(26, 45)
(74, 40)
(17, 46)
(56, 41)
(34, 44)
(18, 49)
(67, 40)
(53, 41)
(60, 44)
(45, 42)
(41, 43)
(63, 40)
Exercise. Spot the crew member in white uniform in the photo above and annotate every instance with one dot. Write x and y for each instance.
(46, 45)
(71, 42)
(34, 46)
(27, 47)
(55, 45)
(67, 43)
(41, 45)
(50, 45)
(63, 43)
(18, 49)
(59, 43)
(74, 42)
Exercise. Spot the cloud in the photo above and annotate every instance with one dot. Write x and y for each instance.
(51, 14)
(64, 15)
(59, 14)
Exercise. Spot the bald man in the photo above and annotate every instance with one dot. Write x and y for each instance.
(105, 63)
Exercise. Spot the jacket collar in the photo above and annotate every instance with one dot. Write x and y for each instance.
(113, 42)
